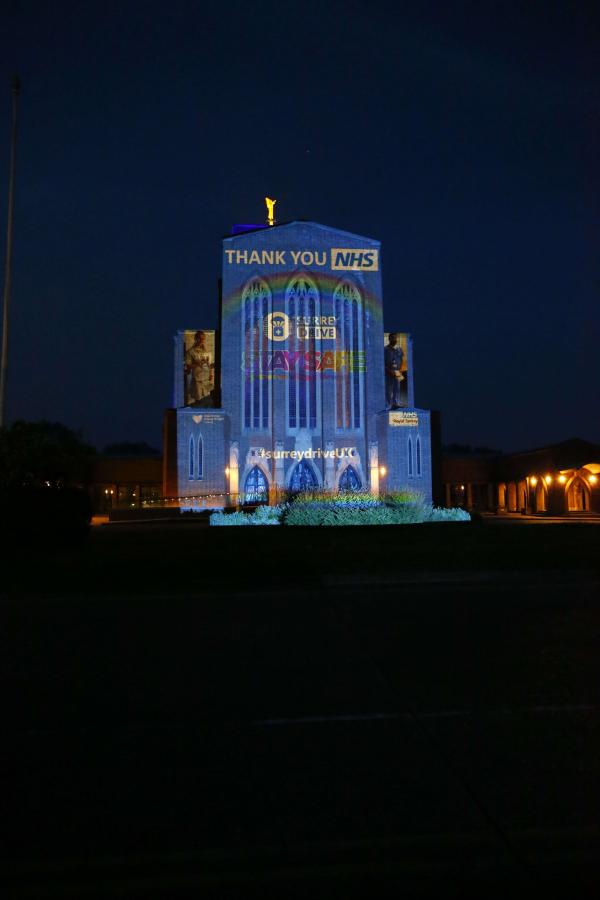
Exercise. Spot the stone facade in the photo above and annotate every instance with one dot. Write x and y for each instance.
(302, 380)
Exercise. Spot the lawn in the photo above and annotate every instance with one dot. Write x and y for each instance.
(183, 557)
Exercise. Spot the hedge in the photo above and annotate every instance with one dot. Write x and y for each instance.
(345, 509)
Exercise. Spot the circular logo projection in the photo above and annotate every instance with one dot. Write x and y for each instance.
(277, 326)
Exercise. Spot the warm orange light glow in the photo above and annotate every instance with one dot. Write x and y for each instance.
(382, 470)
(562, 478)
(533, 480)
(227, 470)
(462, 487)
(593, 479)
(548, 479)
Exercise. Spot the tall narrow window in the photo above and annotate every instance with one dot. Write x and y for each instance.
(348, 356)
(303, 307)
(410, 456)
(418, 455)
(256, 306)
(199, 457)
(191, 458)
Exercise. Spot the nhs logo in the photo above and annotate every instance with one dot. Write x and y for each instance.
(351, 260)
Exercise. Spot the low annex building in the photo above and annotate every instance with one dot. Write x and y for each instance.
(126, 482)
(558, 480)
(301, 388)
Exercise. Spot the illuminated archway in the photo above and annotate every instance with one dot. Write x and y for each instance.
(502, 496)
(256, 487)
(512, 497)
(303, 478)
(578, 495)
(349, 480)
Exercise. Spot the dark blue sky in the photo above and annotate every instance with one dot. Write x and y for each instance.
(464, 136)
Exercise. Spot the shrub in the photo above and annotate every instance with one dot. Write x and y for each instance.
(234, 518)
(372, 515)
(449, 515)
(267, 515)
(405, 508)
(400, 498)
(319, 496)
(304, 512)
(262, 515)
(351, 509)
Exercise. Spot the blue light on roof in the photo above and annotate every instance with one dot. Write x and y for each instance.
(240, 229)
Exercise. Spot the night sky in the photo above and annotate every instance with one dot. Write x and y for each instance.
(464, 136)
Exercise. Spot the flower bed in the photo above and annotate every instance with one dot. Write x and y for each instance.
(344, 509)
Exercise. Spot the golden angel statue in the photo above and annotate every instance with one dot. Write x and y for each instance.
(270, 210)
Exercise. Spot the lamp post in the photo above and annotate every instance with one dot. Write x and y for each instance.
(16, 90)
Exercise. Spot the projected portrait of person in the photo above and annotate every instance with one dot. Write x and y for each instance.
(393, 360)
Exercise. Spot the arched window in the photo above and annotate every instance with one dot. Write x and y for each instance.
(418, 455)
(303, 307)
(410, 456)
(200, 457)
(303, 478)
(349, 357)
(191, 458)
(349, 480)
(256, 487)
(256, 306)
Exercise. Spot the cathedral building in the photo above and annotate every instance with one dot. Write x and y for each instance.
(300, 388)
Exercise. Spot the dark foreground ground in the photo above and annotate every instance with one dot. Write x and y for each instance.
(406, 712)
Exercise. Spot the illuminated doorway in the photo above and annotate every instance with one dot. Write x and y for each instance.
(256, 489)
(350, 482)
(303, 478)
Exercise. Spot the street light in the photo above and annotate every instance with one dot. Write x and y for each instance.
(16, 90)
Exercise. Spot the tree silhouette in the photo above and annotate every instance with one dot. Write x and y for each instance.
(38, 453)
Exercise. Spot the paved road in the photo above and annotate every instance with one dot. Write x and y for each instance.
(417, 737)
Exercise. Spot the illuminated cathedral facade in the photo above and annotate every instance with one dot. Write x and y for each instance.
(300, 388)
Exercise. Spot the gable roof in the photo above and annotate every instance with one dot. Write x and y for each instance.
(304, 222)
